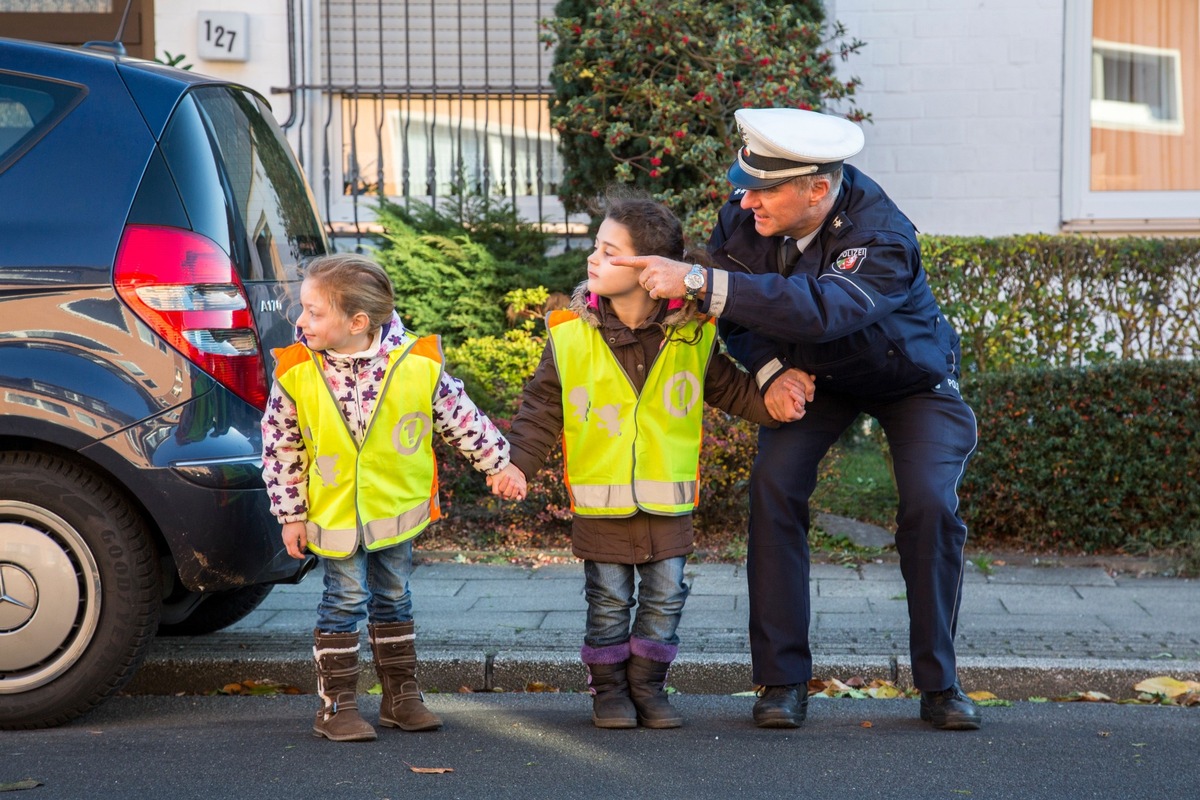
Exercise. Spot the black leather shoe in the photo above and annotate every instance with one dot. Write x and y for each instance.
(950, 710)
(781, 706)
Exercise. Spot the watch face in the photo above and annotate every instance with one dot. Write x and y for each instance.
(693, 280)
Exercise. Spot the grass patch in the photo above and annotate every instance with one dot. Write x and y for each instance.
(858, 483)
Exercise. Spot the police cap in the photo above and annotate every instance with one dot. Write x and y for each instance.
(779, 144)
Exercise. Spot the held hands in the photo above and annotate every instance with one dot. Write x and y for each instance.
(789, 394)
(295, 538)
(661, 277)
(508, 483)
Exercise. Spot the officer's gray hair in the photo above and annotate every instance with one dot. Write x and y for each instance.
(805, 182)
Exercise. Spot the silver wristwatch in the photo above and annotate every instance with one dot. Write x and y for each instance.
(693, 282)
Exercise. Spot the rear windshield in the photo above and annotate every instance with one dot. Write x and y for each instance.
(277, 227)
(28, 108)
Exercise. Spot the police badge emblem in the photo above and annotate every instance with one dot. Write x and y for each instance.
(850, 260)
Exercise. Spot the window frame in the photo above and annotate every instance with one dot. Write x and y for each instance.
(1082, 208)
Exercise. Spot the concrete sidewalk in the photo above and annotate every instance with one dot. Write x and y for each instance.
(1023, 631)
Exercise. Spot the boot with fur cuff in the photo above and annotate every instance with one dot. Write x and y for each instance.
(336, 656)
(403, 706)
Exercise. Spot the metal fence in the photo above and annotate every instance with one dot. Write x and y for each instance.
(433, 101)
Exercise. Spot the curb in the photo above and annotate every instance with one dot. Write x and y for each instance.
(516, 670)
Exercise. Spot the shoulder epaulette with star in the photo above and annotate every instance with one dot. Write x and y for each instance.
(841, 225)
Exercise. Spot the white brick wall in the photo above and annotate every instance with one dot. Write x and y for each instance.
(966, 97)
(176, 31)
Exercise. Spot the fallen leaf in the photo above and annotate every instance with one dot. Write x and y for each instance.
(997, 703)
(465, 690)
(538, 686)
(19, 785)
(866, 724)
(884, 690)
(1166, 686)
(1104, 734)
(977, 696)
(429, 770)
(1087, 697)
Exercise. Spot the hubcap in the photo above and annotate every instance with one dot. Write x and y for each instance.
(18, 598)
(49, 596)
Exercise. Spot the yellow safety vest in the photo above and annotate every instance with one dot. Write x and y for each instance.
(382, 492)
(624, 451)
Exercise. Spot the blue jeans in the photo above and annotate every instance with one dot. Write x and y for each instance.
(661, 593)
(366, 585)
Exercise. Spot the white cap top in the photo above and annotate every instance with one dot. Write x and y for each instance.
(781, 143)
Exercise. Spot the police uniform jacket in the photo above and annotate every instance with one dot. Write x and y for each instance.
(538, 424)
(855, 311)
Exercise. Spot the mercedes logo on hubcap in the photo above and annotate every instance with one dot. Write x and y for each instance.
(18, 597)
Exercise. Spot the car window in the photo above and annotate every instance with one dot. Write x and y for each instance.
(280, 224)
(28, 108)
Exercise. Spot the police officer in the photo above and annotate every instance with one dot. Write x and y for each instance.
(822, 277)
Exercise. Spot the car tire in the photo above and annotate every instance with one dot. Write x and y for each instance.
(82, 590)
(218, 610)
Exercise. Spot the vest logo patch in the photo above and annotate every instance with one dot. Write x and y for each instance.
(410, 431)
(850, 260)
(610, 419)
(607, 417)
(583, 404)
(327, 470)
(681, 394)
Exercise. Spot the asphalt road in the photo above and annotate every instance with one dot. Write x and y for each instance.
(543, 745)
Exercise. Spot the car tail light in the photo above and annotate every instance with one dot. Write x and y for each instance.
(185, 287)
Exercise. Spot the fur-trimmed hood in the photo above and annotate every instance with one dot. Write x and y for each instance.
(671, 313)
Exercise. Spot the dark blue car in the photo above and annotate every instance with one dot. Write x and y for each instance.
(151, 226)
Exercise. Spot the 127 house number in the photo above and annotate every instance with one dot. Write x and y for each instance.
(218, 35)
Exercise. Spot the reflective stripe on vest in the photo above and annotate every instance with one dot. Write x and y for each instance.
(382, 492)
(622, 451)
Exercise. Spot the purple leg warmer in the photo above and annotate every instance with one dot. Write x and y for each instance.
(609, 654)
(655, 651)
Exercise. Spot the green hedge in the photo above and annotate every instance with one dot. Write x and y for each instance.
(1087, 459)
(1063, 301)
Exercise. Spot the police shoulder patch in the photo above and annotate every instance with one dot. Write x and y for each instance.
(849, 261)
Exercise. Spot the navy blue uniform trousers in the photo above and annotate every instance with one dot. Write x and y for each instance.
(931, 436)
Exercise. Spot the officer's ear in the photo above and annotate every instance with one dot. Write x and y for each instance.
(819, 189)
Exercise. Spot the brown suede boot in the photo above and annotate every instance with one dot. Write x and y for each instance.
(336, 655)
(647, 671)
(393, 644)
(611, 706)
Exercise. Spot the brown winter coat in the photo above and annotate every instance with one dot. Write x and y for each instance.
(538, 427)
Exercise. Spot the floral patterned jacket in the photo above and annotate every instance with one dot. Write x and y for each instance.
(356, 379)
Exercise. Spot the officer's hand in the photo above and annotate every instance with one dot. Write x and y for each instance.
(788, 395)
(661, 277)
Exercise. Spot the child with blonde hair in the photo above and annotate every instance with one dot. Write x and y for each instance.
(349, 465)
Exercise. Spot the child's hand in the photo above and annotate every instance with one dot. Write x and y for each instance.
(295, 538)
(508, 483)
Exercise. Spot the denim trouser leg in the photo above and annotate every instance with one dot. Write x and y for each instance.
(366, 585)
(610, 594)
